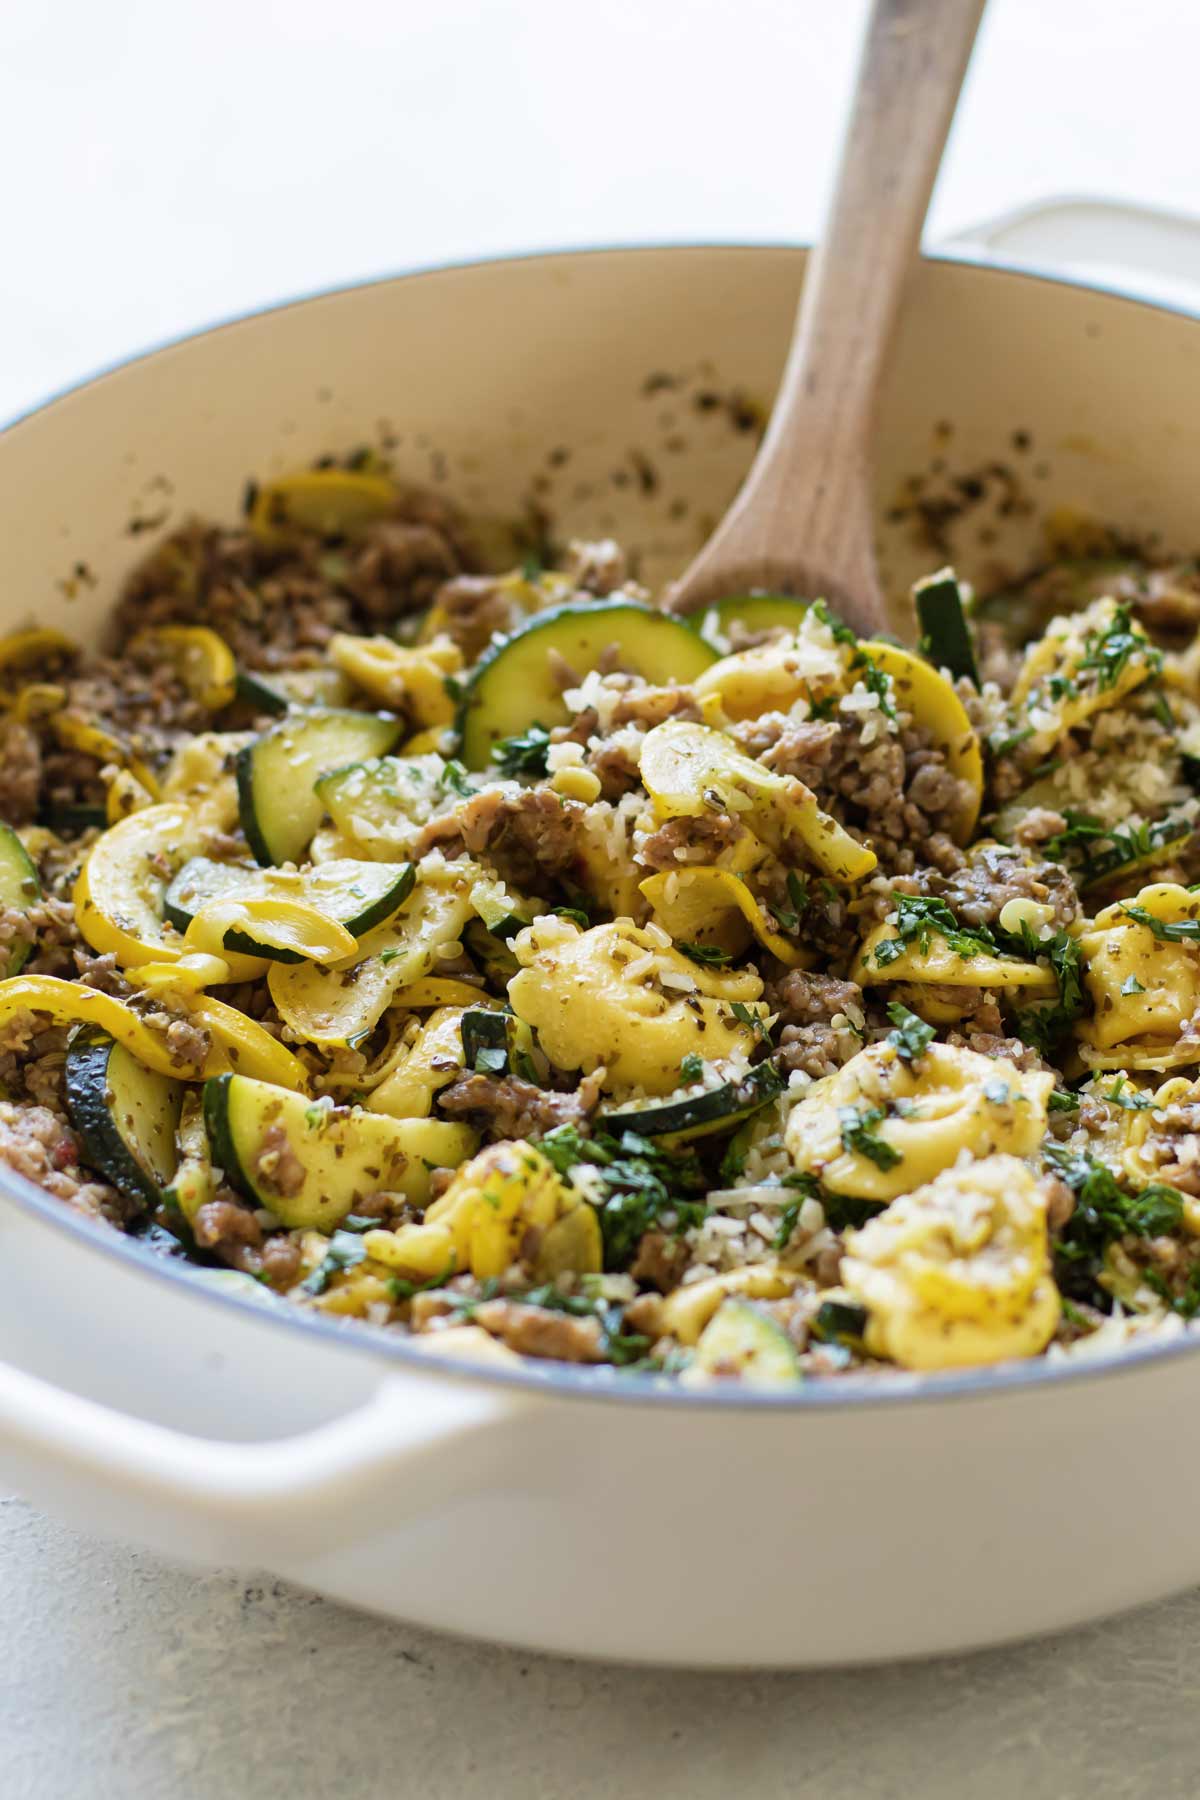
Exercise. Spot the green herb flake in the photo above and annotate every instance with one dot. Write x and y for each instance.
(1168, 931)
(922, 917)
(1131, 985)
(912, 1036)
(705, 954)
(524, 754)
(454, 777)
(859, 1136)
(692, 1067)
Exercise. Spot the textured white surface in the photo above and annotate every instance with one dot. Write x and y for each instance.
(119, 1677)
(184, 162)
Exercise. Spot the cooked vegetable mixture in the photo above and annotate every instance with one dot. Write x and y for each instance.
(500, 960)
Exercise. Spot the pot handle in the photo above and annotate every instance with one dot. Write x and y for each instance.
(1095, 240)
(416, 1443)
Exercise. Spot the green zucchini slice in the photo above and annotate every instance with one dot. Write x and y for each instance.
(312, 1164)
(382, 803)
(503, 913)
(125, 1115)
(840, 1322)
(513, 685)
(754, 612)
(20, 890)
(359, 895)
(698, 1115)
(277, 804)
(945, 634)
(194, 1181)
(484, 1041)
(281, 691)
(72, 821)
(740, 1341)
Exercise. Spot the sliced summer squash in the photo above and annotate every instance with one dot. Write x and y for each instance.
(20, 891)
(312, 1164)
(333, 502)
(342, 1005)
(277, 805)
(945, 634)
(358, 895)
(742, 1341)
(714, 906)
(194, 1182)
(202, 660)
(698, 1115)
(279, 690)
(125, 1115)
(686, 767)
(514, 684)
(380, 805)
(754, 612)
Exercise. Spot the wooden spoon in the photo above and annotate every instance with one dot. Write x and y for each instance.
(803, 522)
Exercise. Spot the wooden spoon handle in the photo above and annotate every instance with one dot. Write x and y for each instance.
(806, 504)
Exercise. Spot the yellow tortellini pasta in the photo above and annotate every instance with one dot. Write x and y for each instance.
(937, 963)
(958, 1272)
(613, 998)
(689, 770)
(510, 1204)
(396, 676)
(1162, 1142)
(881, 1125)
(1143, 977)
(1081, 664)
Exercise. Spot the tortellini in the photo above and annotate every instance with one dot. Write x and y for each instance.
(1163, 1142)
(958, 1272)
(689, 770)
(1081, 664)
(1144, 981)
(613, 998)
(881, 1125)
(395, 676)
(939, 964)
(510, 1204)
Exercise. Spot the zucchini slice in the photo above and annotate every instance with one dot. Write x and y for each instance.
(945, 634)
(755, 612)
(699, 1115)
(359, 895)
(742, 1342)
(380, 805)
(513, 685)
(72, 821)
(20, 890)
(277, 805)
(284, 689)
(311, 1165)
(485, 1041)
(125, 1115)
(194, 1181)
(503, 913)
(341, 1006)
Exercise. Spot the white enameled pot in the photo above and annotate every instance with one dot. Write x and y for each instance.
(565, 1510)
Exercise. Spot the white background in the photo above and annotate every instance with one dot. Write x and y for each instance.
(169, 163)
